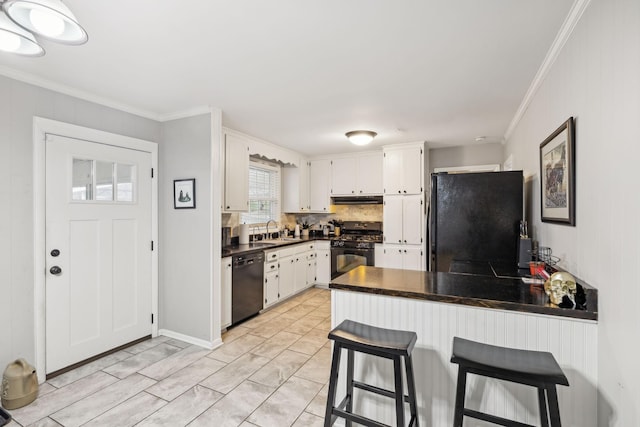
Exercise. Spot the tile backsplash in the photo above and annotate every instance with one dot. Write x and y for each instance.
(341, 212)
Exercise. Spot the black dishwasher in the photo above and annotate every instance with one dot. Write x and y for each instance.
(246, 286)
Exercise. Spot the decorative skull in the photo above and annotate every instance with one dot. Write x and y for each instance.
(561, 284)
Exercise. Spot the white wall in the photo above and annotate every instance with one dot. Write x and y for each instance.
(596, 79)
(19, 102)
(466, 155)
(185, 252)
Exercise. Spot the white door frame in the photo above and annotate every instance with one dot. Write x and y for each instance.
(41, 127)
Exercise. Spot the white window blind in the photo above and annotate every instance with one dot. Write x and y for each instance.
(264, 194)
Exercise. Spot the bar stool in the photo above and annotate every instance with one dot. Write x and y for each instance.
(387, 343)
(535, 368)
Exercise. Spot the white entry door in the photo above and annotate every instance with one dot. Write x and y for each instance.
(98, 240)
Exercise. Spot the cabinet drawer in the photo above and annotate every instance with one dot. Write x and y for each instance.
(271, 256)
(270, 266)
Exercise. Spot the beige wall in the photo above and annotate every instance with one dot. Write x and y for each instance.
(596, 79)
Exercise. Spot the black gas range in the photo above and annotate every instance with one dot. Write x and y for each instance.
(359, 234)
(355, 246)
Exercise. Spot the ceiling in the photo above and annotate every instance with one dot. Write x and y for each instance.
(302, 73)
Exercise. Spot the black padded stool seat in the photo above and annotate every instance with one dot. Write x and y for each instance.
(535, 368)
(387, 343)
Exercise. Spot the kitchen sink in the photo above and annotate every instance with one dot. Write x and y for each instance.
(283, 239)
(262, 244)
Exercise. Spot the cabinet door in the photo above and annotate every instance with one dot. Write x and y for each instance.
(369, 180)
(412, 170)
(236, 182)
(379, 256)
(323, 266)
(392, 219)
(311, 270)
(319, 181)
(287, 273)
(225, 294)
(393, 257)
(413, 258)
(271, 288)
(301, 272)
(412, 220)
(343, 177)
(392, 172)
(304, 186)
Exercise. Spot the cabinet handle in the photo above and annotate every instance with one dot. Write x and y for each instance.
(228, 207)
(399, 192)
(273, 266)
(400, 251)
(405, 191)
(405, 241)
(400, 241)
(405, 251)
(360, 191)
(352, 191)
(326, 255)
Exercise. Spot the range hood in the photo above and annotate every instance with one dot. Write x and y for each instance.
(357, 200)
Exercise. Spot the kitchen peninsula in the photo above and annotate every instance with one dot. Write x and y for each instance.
(499, 311)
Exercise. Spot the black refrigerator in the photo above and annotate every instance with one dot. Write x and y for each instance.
(475, 217)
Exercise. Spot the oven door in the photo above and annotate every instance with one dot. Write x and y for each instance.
(345, 259)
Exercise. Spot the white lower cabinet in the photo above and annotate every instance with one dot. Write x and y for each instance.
(271, 288)
(287, 276)
(288, 271)
(402, 257)
(323, 263)
(225, 294)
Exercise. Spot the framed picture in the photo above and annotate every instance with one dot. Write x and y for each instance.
(184, 193)
(558, 176)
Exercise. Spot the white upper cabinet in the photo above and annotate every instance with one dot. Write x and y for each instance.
(319, 181)
(403, 169)
(236, 177)
(357, 175)
(343, 176)
(295, 187)
(370, 174)
(403, 219)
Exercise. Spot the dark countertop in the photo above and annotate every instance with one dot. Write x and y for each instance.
(466, 289)
(261, 245)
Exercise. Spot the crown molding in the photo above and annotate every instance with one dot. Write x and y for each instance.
(195, 111)
(76, 93)
(91, 97)
(569, 24)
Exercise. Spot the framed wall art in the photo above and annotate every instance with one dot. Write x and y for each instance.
(558, 175)
(184, 193)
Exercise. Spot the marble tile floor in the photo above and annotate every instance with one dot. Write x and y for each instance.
(272, 371)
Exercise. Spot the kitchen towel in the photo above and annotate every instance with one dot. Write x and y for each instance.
(243, 233)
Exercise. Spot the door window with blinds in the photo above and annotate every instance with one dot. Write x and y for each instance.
(264, 194)
(103, 181)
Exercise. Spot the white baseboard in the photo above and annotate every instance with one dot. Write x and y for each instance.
(210, 345)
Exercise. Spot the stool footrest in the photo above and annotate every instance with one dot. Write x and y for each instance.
(494, 419)
(378, 390)
(358, 418)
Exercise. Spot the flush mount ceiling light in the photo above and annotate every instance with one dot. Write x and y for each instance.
(49, 19)
(361, 137)
(14, 39)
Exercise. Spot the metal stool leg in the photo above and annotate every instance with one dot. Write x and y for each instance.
(554, 411)
(411, 388)
(542, 402)
(349, 406)
(333, 380)
(397, 373)
(460, 393)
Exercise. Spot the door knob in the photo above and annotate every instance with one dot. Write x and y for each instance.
(55, 270)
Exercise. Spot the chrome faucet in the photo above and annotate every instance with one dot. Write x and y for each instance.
(276, 224)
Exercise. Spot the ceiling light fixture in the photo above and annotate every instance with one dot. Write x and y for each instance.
(361, 137)
(49, 19)
(14, 39)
